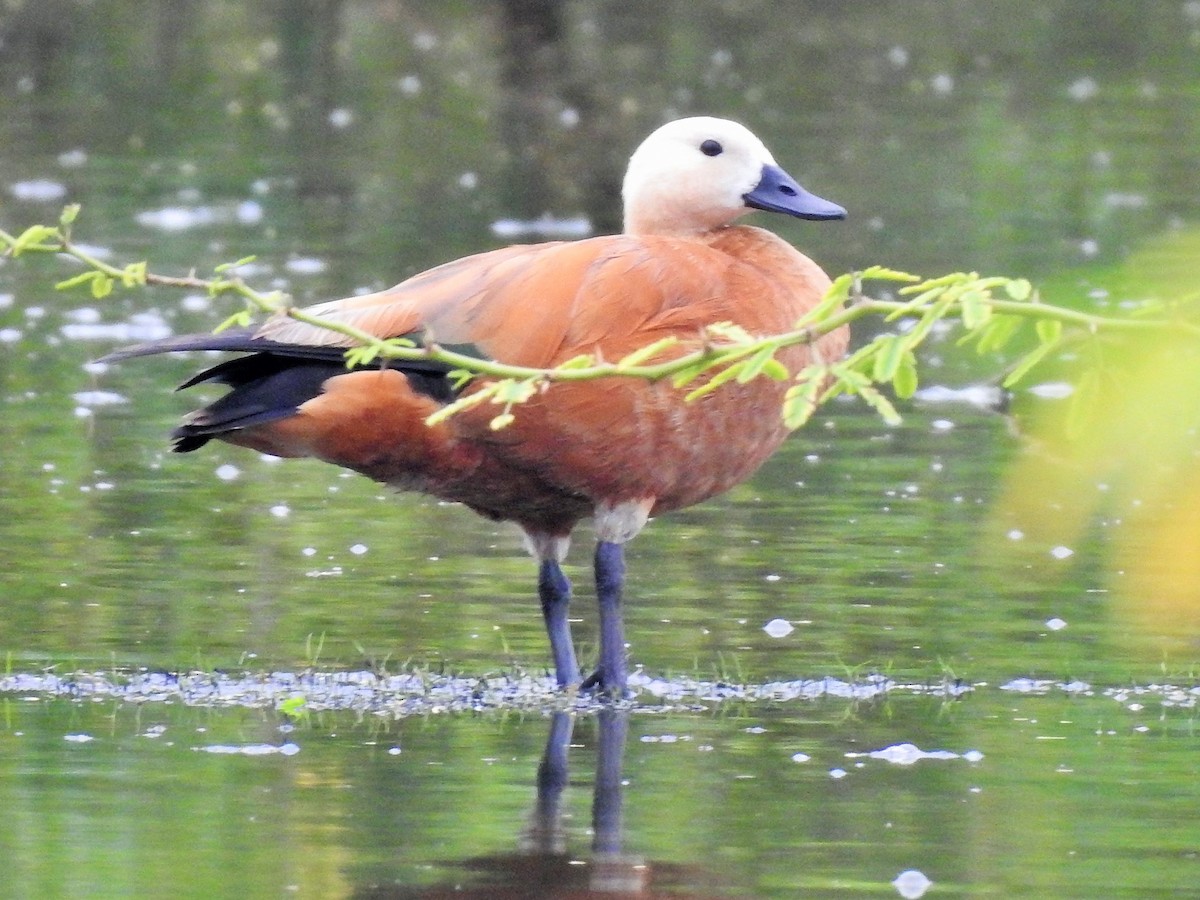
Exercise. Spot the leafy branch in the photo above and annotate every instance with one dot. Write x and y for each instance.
(992, 311)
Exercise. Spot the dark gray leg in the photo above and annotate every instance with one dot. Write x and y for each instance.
(554, 590)
(610, 674)
(546, 834)
(606, 800)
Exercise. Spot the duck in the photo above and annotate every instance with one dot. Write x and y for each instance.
(617, 450)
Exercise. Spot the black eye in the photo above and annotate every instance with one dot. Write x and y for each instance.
(711, 148)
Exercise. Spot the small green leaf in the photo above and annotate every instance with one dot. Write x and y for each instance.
(996, 334)
(835, 296)
(776, 371)
(852, 379)
(102, 285)
(1049, 330)
(882, 273)
(758, 363)
(975, 309)
(69, 214)
(637, 357)
(34, 237)
(800, 401)
(510, 390)
(687, 375)
(134, 274)
(241, 319)
(81, 278)
(727, 374)
(462, 404)
(730, 331)
(1027, 362)
(880, 404)
(501, 421)
(936, 285)
(840, 288)
(890, 349)
(459, 378)
(1019, 289)
(904, 382)
(225, 267)
(583, 361)
(362, 355)
(934, 314)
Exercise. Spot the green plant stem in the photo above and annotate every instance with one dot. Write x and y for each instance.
(713, 353)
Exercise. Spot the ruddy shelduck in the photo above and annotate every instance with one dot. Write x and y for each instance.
(619, 450)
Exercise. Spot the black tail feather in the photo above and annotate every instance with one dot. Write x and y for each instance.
(271, 381)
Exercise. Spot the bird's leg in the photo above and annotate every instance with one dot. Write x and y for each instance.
(554, 590)
(610, 674)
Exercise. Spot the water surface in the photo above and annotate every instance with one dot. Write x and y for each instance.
(985, 692)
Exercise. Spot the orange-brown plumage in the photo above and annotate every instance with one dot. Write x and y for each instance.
(618, 449)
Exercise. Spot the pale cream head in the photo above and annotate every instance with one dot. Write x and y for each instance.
(692, 175)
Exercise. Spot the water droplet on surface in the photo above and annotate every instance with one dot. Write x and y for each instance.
(248, 212)
(305, 265)
(72, 159)
(37, 190)
(911, 884)
(942, 84)
(1083, 89)
(778, 628)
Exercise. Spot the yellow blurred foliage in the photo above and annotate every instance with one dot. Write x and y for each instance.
(1123, 450)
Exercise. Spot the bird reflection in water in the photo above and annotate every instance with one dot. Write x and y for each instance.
(544, 866)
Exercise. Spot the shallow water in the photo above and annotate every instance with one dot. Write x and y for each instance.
(232, 676)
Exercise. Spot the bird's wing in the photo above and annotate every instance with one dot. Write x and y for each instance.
(541, 303)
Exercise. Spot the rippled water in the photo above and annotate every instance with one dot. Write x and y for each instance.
(881, 668)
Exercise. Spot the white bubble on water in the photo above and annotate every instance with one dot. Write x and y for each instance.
(38, 190)
(305, 265)
(942, 84)
(72, 159)
(1083, 89)
(779, 628)
(911, 884)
